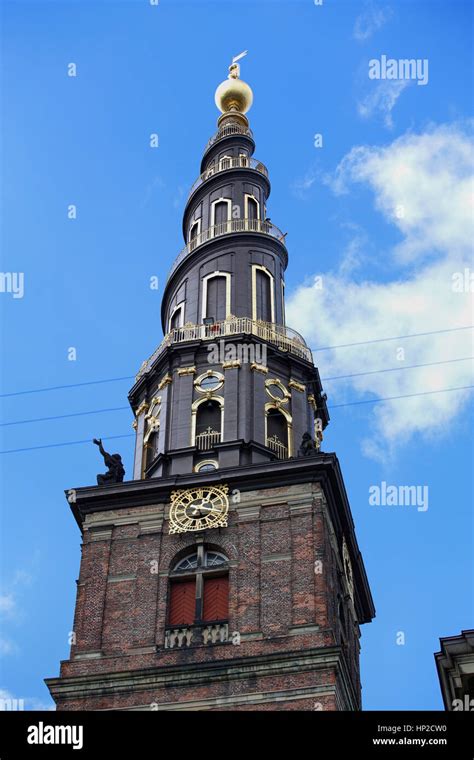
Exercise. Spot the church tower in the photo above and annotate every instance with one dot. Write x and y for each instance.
(226, 574)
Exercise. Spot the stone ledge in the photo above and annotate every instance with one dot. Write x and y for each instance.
(297, 630)
(258, 698)
(197, 674)
(124, 577)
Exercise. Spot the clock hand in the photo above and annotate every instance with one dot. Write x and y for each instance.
(196, 506)
(216, 510)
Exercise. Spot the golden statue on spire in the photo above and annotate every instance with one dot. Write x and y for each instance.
(233, 94)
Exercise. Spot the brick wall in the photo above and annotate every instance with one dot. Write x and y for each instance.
(293, 651)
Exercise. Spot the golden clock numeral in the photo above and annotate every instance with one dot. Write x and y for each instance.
(210, 509)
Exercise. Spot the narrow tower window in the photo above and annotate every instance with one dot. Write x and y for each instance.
(225, 162)
(193, 233)
(208, 425)
(277, 433)
(177, 317)
(252, 208)
(263, 287)
(220, 212)
(216, 298)
(263, 297)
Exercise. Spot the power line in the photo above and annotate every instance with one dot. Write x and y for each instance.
(325, 379)
(66, 443)
(61, 387)
(336, 406)
(396, 337)
(396, 369)
(324, 348)
(408, 395)
(63, 416)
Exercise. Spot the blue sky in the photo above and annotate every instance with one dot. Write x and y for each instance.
(84, 140)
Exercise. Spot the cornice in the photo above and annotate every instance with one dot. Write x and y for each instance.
(323, 468)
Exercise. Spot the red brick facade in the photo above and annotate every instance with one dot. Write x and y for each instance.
(293, 633)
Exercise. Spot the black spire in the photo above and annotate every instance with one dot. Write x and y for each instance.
(230, 384)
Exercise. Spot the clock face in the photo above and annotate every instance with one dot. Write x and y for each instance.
(198, 509)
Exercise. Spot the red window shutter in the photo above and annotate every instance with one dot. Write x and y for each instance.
(216, 598)
(182, 602)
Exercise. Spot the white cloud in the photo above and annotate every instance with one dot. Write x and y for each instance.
(7, 605)
(180, 193)
(7, 647)
(381, 100)
(10, 610)
(29, 703)
(427, 177)
(301, 187)
(423, 184)
(356, 251)
(370, 20)
(156, 183)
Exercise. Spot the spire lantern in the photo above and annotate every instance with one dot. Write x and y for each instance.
(234, 95)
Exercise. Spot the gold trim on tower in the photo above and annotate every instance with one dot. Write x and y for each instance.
(259, 368)
(164, 382)
(186, 371)
(142, 408)
(297, 386)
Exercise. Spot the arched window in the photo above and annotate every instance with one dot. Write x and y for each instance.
(263, 299)
(278, 430)
(208, 465)
(225, 162)
(252, 207)
(199, 589)
(277, 433)
(215, 301)
(177, 317)
(263, 288)
(193, 233)
(221, 212)
(216, 296)
(208, 424)
(152, 430)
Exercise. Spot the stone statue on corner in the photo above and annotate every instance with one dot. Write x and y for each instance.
(115, 471)
(308, 447)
